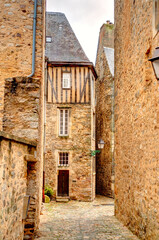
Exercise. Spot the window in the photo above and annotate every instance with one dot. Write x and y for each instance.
(92, 92)
(157, 14)
(94, 123)
(48, 39)
(66, 80)
(63, 159)
(64, 118)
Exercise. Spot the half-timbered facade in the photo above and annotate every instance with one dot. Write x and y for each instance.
(70, 113)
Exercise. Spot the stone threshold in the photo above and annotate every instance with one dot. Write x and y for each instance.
(62, 199)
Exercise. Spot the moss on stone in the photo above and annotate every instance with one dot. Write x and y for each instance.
(109, 26)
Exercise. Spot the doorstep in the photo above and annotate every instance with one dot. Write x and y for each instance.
(62, 199)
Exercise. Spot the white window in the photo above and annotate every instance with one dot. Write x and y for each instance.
(64, 120)
(92, 92)
(66, 80)
(48, 39)
(157, 14)
(94, 124)
(63, 159)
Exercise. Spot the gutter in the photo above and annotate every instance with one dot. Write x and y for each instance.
(34, 39)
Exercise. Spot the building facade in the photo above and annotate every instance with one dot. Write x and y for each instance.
(70, 112)
(105, 110)
(21, 116)
(136, 115)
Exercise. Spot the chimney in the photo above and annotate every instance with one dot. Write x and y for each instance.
(106, 35)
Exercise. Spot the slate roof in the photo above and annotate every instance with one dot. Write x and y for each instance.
(109, 53)
(65, 46)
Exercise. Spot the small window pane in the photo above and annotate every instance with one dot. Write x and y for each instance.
(64, 121)
(63, 159)
(48, 39)
(157, 14)
(66, 80)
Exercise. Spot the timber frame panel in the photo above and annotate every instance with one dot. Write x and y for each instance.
(80, 84)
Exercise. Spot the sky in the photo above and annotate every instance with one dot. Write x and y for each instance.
(85, 17)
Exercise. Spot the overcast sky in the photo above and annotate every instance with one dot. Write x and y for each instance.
(85, 17)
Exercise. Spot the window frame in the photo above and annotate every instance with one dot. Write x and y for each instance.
(64, 122)
(155, 17)
(63, 164)
(94, 125)
(69, 80)
(49, 38)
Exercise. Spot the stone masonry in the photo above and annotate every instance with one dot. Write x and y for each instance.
(137, 119)
(78, 144)
(16, 181)
(22, 98)
(21, 107)
(105, 111)
(16, 41)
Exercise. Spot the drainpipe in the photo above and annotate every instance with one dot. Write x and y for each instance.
(44, 143)
(113, 128)
(34, 39)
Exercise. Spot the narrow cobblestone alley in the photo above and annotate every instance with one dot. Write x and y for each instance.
(82, 220)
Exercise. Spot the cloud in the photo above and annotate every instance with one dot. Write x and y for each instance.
(86, 17)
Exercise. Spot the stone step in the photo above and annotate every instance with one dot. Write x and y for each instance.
(62, 199)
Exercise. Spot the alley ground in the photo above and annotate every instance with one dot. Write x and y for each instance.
(82, 220)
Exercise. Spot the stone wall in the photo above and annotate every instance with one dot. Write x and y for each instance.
(105, 114)
(16, 41)
(78, 144)
(137, 122)
(21, 107)
(104, 127)
(23, 115)
(16, 181)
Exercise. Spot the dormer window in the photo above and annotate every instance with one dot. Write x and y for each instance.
(66, 80)
(48, 39)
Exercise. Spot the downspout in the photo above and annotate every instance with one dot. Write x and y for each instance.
(45, 92)
(34, 39)
(112, 134)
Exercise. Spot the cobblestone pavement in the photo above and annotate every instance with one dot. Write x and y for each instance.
(82, 220)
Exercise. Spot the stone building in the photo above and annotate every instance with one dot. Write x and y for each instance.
(105, 110)
(70, 113)
(137, 117)
(21, 116)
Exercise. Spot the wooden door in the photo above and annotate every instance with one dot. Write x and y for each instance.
(63, 183)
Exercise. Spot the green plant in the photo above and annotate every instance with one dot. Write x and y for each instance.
(94, 152)
(48, 191)
(47, 199)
